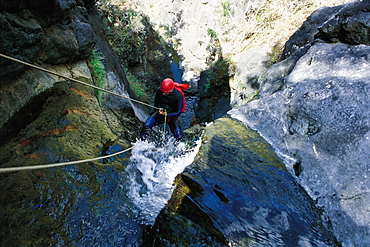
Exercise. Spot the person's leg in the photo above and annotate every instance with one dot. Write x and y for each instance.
(148, 124)
(175, 127)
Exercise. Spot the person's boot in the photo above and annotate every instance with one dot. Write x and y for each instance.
(144, 133)
(177, 133)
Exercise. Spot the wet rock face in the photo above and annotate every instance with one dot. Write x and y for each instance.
(45, 119)
(64, 123)
(51, 31)
(314, 109)
(238, 191)
(321, 117)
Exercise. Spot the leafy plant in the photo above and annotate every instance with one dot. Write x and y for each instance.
(218, 76)
(212, 33)
(136, 85)
(97, 71)
(126, 31)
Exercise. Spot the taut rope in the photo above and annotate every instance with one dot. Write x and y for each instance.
(12, 169)
(22, 168)
(72, 79)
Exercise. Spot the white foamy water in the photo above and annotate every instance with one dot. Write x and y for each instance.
(152, 170)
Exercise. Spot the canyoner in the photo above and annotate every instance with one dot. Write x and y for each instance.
(170, 98)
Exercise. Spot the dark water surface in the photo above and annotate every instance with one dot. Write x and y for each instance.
(238, 193)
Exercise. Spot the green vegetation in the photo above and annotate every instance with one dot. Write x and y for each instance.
(126, 32)
(212, 33)
(249, 98)
(126, 39)
(97, 71)
(226, 8)
(220, 71)
(135, 84)
(169, 33)
(218, 80)
(225, 12)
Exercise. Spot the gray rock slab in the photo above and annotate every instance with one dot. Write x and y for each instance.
(319, 123)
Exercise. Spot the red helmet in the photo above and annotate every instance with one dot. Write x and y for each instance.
(167, 85)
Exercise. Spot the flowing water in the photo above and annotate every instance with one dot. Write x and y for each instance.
(128, 201)
(147, 182)
(153, 168)
(240, 194)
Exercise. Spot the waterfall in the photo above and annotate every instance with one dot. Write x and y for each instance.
(154, 165)
(153, 168)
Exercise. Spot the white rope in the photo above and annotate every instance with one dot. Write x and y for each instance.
(71, 79)
(14, 169)
(164, 126)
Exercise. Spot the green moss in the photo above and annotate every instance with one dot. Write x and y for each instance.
(245, 141)
(97, 71)
(178, 194)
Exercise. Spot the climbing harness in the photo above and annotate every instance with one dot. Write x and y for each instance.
(12, 169)
(22, 168)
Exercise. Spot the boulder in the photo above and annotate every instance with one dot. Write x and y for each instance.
(54, 32)
(318, 122)
(310, 27)
(350, 25)
(20, 35)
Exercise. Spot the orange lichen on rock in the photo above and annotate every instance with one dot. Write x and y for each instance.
(58, 131)
(49, 133)
(83, 94)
